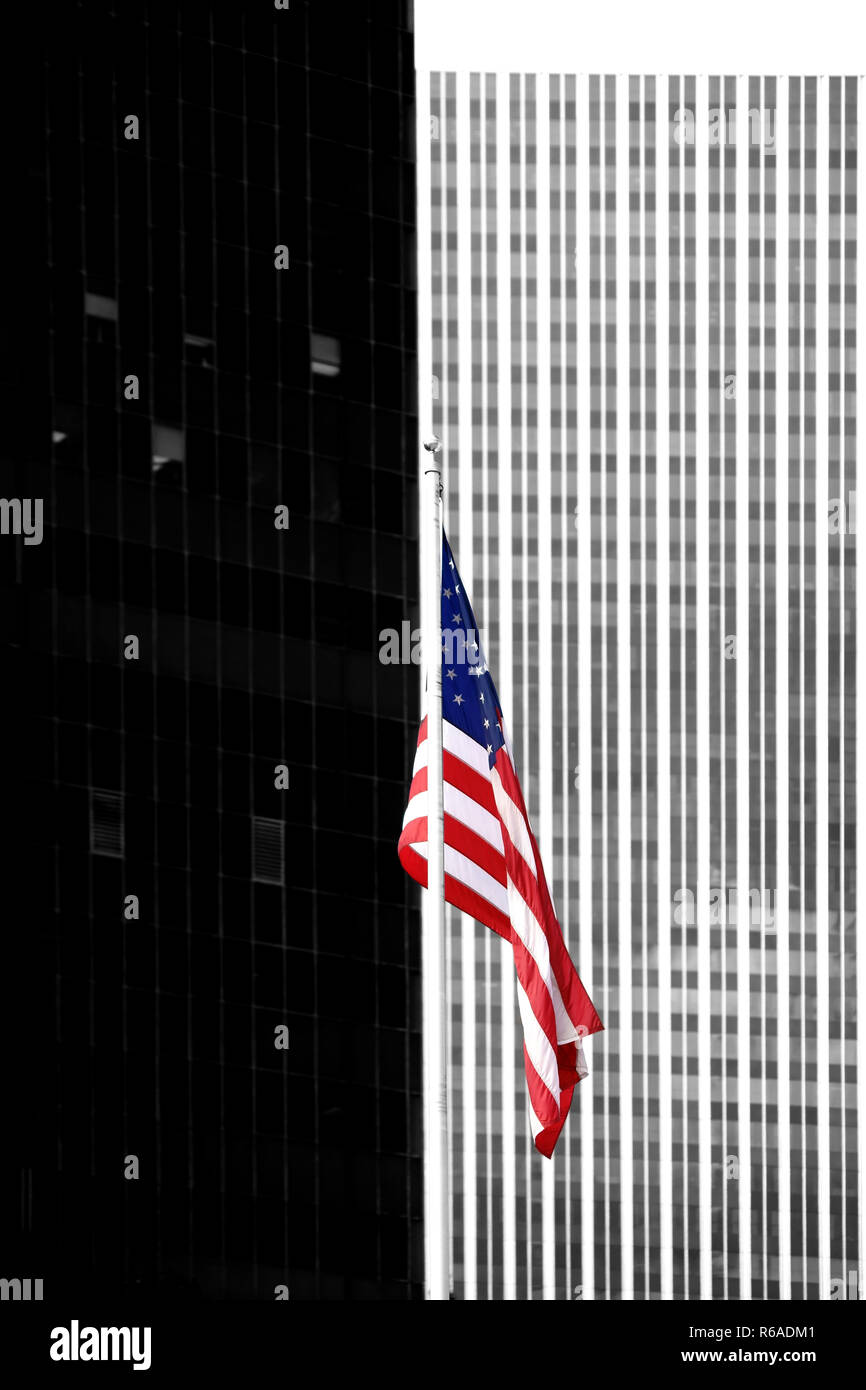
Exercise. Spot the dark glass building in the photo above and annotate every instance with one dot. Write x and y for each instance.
(213, 992)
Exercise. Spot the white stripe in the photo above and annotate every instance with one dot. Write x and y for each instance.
(512, 819)
(463, 809)
(538, 1045)
(471, 875)
(528, 928)
(416, 809)
(523, 919)
(474, 816)
(420, 758)
(461, 746)
(466, 749)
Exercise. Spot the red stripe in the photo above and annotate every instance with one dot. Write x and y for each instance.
(463, 778)
(545, 1139)
(458, 837)
(459, 894)
(545, 1105)
(464, 898)
(536, 990)
(476, 848)
(468, 781)
(462, 838)
(535, 986)
(534, 891)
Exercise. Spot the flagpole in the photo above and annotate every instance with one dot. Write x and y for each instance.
(436, 1196)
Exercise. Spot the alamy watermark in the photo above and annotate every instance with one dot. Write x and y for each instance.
(724, 908)
(76, 1343)
(842, 514)
(851, 1288)
(21, 1290)
(722, 126)
(22, 516)
(459, 647)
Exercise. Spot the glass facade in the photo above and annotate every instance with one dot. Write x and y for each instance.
(638, 314)
(215, 390)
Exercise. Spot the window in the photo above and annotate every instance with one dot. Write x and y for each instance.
(106, 823)
(324, 355)
(100, 312)
(167, 445)
(198, 350)
(100, 306)
(268, 850)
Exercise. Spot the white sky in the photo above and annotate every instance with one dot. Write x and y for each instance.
(702, 36)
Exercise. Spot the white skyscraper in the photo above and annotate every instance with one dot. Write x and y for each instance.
(664, 573)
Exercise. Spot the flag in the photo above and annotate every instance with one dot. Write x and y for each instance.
(493, 869)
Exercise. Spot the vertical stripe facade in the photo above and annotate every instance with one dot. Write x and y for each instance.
(639, 328)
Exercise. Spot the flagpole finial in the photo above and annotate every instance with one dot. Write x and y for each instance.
(432, 444)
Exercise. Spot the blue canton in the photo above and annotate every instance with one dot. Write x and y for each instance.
(469, 698)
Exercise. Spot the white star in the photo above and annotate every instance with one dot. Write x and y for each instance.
(490, 747)
(458, 699)
(446, 593)
(481, 698)
(451, 674)
(457, 588)
(487, 723)
(451, 563)
(457, 618)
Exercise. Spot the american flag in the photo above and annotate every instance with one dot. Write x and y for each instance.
(493, 869)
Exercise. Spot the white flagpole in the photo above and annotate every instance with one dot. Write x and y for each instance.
(436, 1196)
